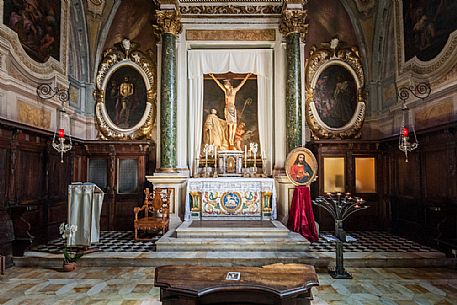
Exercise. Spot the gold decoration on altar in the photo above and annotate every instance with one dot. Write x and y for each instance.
(335, 97)
(169, 22)
(119, 95)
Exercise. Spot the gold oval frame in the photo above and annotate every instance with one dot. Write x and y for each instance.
(319, 61)
(125, 54)
(310, 160)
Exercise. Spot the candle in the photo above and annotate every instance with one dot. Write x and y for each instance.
(245, 153)
(215, 156)
(61, 133)
(405, 131)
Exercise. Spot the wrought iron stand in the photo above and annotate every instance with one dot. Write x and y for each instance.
(340, 206)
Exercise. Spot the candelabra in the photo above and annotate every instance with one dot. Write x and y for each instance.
(406, 141)
(340, 206)
(208, 149)
(254, 147)
(45, 91)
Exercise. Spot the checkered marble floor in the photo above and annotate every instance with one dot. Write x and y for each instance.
(370, 241)
(110, 241)
(135, 286)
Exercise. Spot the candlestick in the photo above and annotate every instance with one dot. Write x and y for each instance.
(215, 158)
(206, 159)
(254, 147)
(245, 156)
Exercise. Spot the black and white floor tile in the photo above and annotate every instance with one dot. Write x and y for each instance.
(370, 241)
(110, 241)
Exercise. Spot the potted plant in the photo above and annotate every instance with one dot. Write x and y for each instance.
(70, 257)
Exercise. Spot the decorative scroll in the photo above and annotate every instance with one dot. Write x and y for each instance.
(335, 99)
(230, 10)
(232, 35)
(126, 102)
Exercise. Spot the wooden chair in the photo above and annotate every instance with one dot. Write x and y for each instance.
(154, 215)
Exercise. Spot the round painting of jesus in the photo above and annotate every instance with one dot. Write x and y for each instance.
(301, 166)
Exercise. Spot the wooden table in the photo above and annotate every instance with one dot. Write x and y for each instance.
(192, 285)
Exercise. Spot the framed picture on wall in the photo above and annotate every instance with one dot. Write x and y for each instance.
(335, 106)
(126, 103)
(426, 38)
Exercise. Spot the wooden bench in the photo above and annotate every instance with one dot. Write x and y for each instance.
(154, 215)
(277, 285)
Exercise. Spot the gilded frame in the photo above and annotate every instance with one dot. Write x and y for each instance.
(310, 166)
(125, 56)
(319, 61)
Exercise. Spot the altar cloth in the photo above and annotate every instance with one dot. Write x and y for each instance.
(233, 197)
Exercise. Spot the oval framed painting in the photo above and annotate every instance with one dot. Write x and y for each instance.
(126, 105)
(335, 106)
(301, 166)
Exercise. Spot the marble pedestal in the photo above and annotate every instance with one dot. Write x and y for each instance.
(177, 182)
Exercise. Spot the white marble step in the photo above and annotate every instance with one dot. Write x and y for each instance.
(228, 258)
(276, 230)
(292, 243)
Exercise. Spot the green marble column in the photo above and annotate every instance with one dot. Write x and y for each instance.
(293, 93)
(168, 104)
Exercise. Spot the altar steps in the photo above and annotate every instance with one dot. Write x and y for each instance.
(232, 229)
(232, 235)
(293, 243)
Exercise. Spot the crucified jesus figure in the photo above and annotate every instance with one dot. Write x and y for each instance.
(230, 110)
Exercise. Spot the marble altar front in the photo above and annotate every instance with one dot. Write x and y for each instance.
(230, 198)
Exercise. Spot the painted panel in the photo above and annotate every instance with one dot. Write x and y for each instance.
(126, 97)
(335, 96)
(246, 107)
(427, 25)
(37, 24)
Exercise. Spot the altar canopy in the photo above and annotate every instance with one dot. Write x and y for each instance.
(256, 61)
(231, 198)
(84, 208)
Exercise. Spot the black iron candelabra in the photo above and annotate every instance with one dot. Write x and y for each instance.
(340, 206)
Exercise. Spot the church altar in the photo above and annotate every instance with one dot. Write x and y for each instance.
(230, 198)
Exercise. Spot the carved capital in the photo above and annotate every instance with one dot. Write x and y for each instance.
(294, 21)
(169, 21)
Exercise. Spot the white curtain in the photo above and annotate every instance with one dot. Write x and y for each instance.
(257, 61)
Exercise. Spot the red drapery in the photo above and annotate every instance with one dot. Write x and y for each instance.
(301, 216)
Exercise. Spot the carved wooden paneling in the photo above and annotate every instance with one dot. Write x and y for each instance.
(423, 195)
(369, 219)
(29, 177)
(435, 179)
(58, 173)
(117, 209)
(408, 174)
(5, 177)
